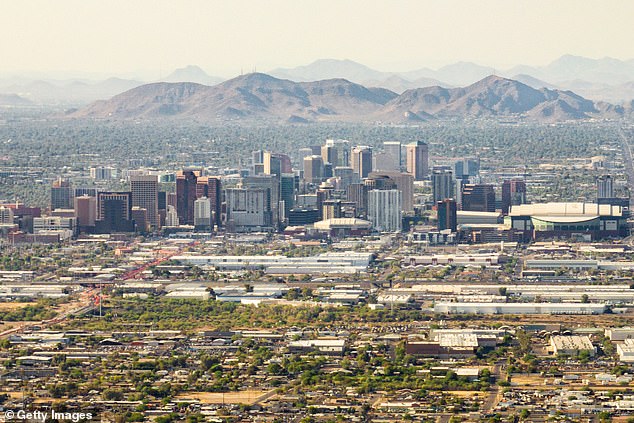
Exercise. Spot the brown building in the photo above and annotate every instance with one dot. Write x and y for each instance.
(145, 196)
(417, 160)
(478, 197)
(210, 187)
(362, 161)
(186, 181)
(86, 211)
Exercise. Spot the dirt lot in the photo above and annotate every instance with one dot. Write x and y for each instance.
(467, 394)
(242, 397)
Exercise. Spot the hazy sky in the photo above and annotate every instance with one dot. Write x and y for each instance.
(223, 37)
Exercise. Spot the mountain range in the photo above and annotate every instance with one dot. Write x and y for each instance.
(605, 79)
(77, 92)
(261, 97)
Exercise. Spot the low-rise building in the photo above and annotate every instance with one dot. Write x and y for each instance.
(571, 345)
(477, 260)
(619, 334)
(626, 351)
(518, 308)
(332, 262)
(324, 346)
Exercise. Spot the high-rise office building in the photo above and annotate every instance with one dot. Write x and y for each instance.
(384, 210)
(162, 207)
(248, 208)
(303, 152)
(170, 199)
(442, 185)
(287, 194)
(313, 169)
(6, 215)
(61, 194)
(85, 191)
(144, 190)
(171, 216)
(447, 214)
(86, 211)
(467, 167)
(257, 157)
(276, 164)
(362, 160)
(203, 214)
(102, 173)
(270, 183)
(357, 193)
(328, 170)
(478, 197)
(404, 182)
(125, 204)
(342, 152)
(390, 159)
(114, 212)
(346, 177)
(272, 164)
(513, 194)
(186, 195)
(139, 215)
(457, 190)
(417, 160)
(331, 209)
(329, 154)
(211, 187)
(605, 188)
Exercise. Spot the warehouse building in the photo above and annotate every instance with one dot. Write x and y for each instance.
(332, 262)
(476, 260)
(619, 334)
(626, 351)
(571, 345)
(518, 308)
(322, 346)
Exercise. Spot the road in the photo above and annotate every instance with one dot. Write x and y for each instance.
(82, 305)
(264, 397)
(495, 393)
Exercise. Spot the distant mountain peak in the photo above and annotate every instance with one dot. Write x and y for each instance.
(192, 73)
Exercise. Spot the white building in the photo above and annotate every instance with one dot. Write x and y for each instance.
(518, 308)
(384, 210)
(202, 212)
(102, 173)
(248, 208)
(335, 263)
(571, 345)
(54, 223)
(325, 346)
(6, 215)
(466, 260)
(171, 216)
(626, 351)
